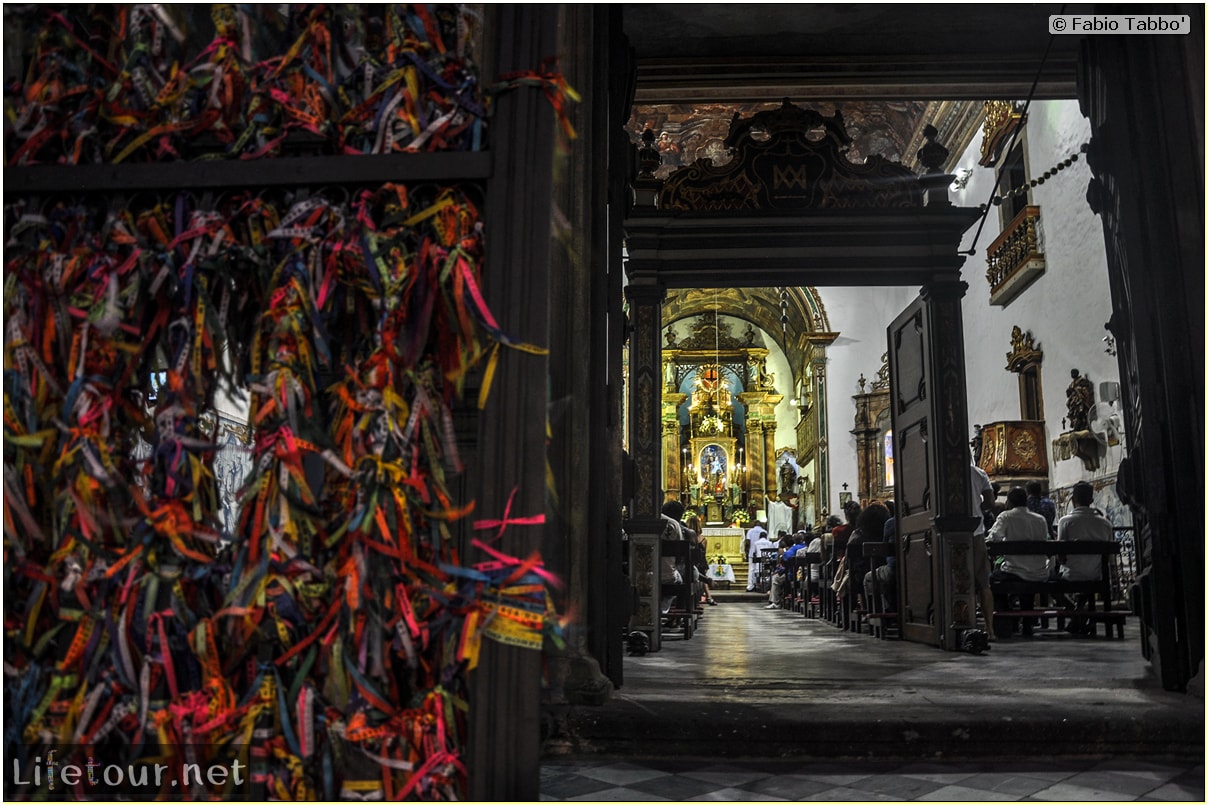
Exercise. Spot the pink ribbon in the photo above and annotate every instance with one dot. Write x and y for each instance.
(508, 521)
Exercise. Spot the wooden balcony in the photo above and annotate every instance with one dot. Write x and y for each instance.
(1014, 260)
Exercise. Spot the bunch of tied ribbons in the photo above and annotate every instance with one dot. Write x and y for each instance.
(112, 84)
(326, 642)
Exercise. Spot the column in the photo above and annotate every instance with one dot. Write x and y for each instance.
(1143, 96)
(823, 466)
(771, 482)
(645, 527)
(673, 459)
(504, 752)
(955, 596)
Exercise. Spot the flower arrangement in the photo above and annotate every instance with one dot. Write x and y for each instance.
(742, 518)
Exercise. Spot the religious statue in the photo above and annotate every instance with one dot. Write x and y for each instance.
(758, 374)
(713, 468)
(789, 478)
(750, 334)
(1080, 397)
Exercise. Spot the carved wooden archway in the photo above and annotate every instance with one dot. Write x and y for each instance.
(790, 210)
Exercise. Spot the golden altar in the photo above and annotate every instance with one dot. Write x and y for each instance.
(723, 541)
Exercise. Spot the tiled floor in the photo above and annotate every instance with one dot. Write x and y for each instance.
(676, 779)
(707, 719)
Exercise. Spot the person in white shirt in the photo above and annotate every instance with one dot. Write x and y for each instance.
(752, 534)
(816, 547)
(1018, 522)
(753, 558)
(982, 497)
(1084, 523)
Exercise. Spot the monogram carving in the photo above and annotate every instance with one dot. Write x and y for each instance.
(790, 169)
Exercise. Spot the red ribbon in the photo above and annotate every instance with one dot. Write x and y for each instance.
(503, 524)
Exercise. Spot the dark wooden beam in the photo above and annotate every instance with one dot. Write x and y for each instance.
(367, 169)
(865, 247)
(933, 77)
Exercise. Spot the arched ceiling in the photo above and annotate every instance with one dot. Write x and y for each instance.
(805, 313)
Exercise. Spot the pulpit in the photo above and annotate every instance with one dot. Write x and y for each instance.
(1013, 452)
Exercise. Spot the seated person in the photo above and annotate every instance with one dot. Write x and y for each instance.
(1017, 522)
(884, 578)
(701, 567)
(870, 524)
(1083, 523)
(798, 544)
(669, 572)
(777, 596)
(1040, 503)
(816, 572)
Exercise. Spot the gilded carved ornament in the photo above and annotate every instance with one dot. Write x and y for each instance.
(1024, 351)
(1002, 118)
(883, 374)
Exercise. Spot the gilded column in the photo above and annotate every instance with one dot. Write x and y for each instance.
(761, 450)
(673, 459)
(771, 483)
(755, 463)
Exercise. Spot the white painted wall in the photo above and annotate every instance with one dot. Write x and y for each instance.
(1065, 309)
(860, 316)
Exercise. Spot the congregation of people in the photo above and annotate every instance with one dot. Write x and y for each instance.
(838, 571)
(866, 582)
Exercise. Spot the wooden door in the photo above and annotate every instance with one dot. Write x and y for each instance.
(915, 487)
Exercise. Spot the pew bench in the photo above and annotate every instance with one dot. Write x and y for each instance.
(880, 621)
(1044, 592)
(684, 611)
(797, 568)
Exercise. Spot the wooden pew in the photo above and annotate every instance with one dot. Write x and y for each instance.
(800, 591)
(1096, 589)
(879, 620)
(683, 612)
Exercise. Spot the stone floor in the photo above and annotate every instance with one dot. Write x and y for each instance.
(671, 779)
(770, 705)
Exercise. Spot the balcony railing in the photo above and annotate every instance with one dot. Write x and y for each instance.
(1015, 260)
